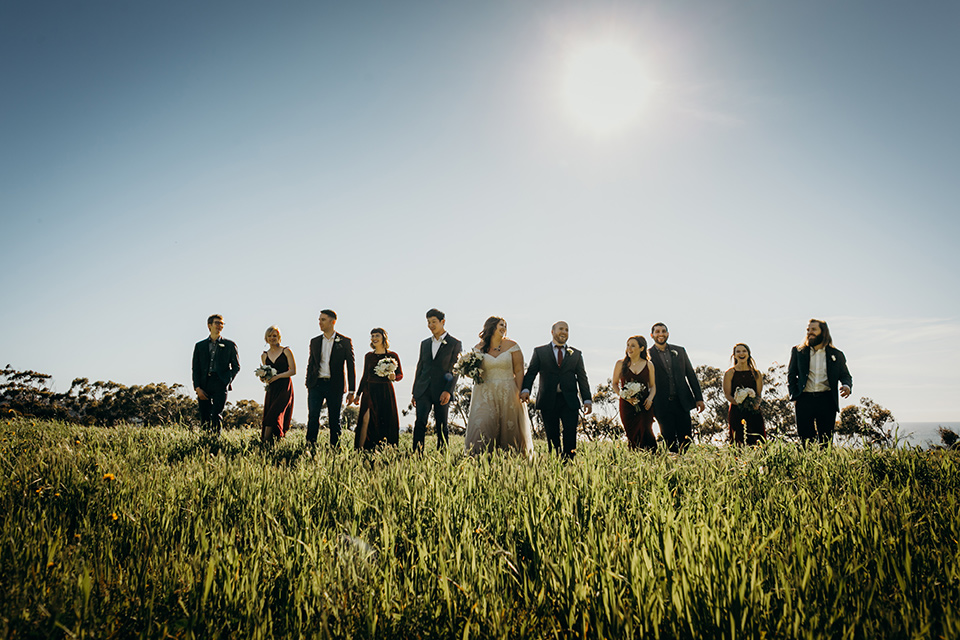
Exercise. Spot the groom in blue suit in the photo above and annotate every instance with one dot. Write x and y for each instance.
(563, 382)
(434, 383)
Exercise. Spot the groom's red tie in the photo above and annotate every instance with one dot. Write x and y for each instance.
(559, 356)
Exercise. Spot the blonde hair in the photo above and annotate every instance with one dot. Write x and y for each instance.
(270, 330)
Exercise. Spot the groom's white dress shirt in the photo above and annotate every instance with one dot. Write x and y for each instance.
(436, 342)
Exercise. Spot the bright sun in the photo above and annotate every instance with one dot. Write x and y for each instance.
(605, 86)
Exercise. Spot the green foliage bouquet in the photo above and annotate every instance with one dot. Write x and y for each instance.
(470, 365)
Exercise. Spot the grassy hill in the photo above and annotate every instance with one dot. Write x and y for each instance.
(143, 532)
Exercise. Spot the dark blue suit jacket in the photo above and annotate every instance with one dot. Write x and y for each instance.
(435, 375)
(571, 377)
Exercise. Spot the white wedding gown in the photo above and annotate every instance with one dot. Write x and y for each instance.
(498, 420)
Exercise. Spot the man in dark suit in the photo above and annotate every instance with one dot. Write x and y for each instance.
(814, 376)
(678, 390)
(330, 354)
(215, 365)
(434, 384)
(563, 382)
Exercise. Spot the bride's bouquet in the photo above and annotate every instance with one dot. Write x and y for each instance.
(746, 399)
(634, 393)
(470, 365)
(265, 372)
(385, 367)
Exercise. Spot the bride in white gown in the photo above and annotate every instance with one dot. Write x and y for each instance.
(498, 420)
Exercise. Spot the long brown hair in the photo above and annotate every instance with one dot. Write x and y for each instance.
(489, 327)
(643, 350)
(826, 340)
(750, 361)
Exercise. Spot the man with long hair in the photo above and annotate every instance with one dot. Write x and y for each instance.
(816, 377)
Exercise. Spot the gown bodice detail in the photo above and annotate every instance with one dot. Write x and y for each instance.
(499, 368)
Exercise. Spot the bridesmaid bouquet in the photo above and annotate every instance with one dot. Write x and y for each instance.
(265, 372)
(746, 399)
(385, 367)
(470, 365)
(634, 393)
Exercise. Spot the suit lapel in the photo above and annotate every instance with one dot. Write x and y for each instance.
(568, 354)
(552, 353)
(804, 366)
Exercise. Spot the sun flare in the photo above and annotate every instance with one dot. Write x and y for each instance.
(605, 86)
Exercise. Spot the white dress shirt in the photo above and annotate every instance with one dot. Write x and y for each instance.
(326, 347)
(436, 342)
(817, 376)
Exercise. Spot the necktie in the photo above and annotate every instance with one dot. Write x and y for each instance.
(559, 356)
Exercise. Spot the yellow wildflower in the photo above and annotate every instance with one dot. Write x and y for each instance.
(109, 476)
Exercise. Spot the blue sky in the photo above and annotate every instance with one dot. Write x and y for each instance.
(164, 161)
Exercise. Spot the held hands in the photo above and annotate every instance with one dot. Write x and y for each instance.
(845, 391)
(525, 396)
(351, 398)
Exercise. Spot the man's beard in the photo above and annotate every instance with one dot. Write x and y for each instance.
(815, 340)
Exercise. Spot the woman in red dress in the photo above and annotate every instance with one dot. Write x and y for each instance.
(744, 416)
(278, 403)
(379, 419)
(636, 414)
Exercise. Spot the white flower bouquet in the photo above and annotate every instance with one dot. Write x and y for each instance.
(746, 399)
(265, 372)
(385, 367)
(634, 393)
(470, 365)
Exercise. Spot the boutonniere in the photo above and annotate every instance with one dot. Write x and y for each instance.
(674, 352)
(569, 351)
(220, 344)
(834, 358)
(337, 339)
(443, 342)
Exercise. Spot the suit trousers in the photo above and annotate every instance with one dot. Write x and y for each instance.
(424, 404)
(322, 391)
(211, 409)
(675, 425)
(816, 417)
(565, 442)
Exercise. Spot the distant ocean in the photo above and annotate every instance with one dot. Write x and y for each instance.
(924, 434)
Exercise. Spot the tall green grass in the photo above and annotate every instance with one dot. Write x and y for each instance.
(143, 532)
